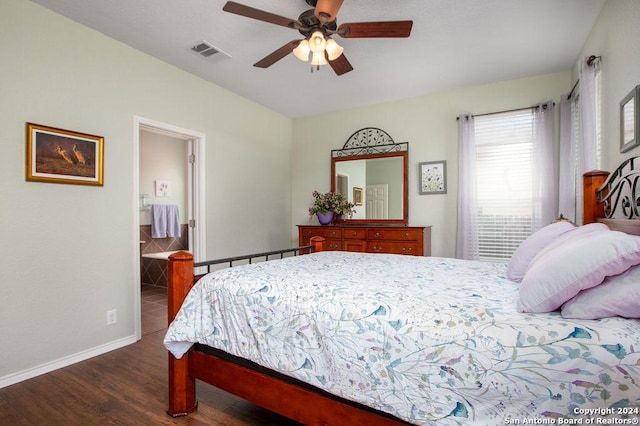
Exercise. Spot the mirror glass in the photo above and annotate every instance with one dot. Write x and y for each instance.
(376, 184)
(628, 113)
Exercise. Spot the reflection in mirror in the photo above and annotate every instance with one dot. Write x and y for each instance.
(630, 120)
(371, 172)
(374, 185)
(629, 126)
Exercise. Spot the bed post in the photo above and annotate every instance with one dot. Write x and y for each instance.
(318, 243)
(592, 209)
(182, 387)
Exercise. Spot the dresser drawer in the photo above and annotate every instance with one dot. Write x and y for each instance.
(324, 231)
(395, 247)
(394, 234)
(354, 234)
(354, 245)
(333, 245)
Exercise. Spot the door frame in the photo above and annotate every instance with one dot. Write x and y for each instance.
(195, 197)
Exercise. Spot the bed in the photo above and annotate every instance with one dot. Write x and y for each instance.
(430, 340)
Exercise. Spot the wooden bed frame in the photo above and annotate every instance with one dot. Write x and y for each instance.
(296, 401)
(608, 195)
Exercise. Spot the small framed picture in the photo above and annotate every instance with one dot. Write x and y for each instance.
(357, 196)
(433, 177)
(630, 120)
(64, 156)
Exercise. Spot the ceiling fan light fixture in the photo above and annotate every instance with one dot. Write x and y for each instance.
(334, 50)
(317, 42)
(318, 59)
(302, 51)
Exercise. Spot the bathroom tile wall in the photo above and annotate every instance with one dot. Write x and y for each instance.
(154, 271)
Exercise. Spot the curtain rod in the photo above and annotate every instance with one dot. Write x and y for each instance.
(544, 106)
(590, 61)
(573, 89)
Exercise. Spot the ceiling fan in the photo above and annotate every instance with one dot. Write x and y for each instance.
(317, 25)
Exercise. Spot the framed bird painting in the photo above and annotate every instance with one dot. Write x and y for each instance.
(64, 156)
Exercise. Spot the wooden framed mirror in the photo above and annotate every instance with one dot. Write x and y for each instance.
(371, 171)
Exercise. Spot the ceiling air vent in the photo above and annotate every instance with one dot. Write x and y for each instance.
(208, 51)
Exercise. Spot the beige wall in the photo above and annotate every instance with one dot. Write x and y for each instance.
(429, 124)
(165, 158)
(68, 250)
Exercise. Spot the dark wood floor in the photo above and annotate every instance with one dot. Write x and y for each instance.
(127, 386)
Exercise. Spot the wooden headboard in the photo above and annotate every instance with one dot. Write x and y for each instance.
(613, 198)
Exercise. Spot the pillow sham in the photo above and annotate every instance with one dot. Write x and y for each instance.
(531, 246)
(574, 234)
(575, 261)
(616, 296)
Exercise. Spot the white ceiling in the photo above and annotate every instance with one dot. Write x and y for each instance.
(454, 43)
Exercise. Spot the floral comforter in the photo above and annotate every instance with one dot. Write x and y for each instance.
(429, 340)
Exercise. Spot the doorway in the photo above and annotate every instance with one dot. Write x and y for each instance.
(194, 144)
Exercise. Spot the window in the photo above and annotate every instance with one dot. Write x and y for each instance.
(508, 180)
(504, 181)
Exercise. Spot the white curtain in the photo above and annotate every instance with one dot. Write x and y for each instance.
(467, 242)
(567, 182)
(578, 140)
(587, 105)
(545, 172)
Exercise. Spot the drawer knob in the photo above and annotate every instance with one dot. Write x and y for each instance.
(406, 235)
(377, 234)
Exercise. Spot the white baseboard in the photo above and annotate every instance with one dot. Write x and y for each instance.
(64, 362)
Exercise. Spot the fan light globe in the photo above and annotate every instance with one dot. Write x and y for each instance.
(318, 59)
(334, 50)
(302, 51)
(317, 42)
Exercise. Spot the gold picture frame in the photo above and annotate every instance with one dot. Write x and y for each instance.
(357, 196)
(64, 156)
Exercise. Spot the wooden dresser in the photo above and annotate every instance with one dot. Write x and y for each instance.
(410, 240)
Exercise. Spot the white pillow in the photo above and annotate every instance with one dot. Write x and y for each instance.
(616, 296)
(573, 234)
(530, 247)
(575, 261)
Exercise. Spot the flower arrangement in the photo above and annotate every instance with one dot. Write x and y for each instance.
(331, 202)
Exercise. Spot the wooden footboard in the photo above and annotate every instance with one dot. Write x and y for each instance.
(298, 402)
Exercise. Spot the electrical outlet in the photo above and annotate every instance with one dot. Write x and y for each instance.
(112, 317)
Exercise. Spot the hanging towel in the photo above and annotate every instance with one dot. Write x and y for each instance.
(173, 221)
(158, 221)
(165, 221)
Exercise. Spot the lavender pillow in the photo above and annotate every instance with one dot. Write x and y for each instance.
(578, 260)
(531, 246)
(616, 296)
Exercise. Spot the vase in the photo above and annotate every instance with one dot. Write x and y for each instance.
(325, 218)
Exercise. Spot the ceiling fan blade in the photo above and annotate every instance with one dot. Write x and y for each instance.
(341, 65)
(375, 29)
(260, 15)
(276, 55)
(327, 10)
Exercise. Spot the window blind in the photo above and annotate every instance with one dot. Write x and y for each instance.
(504, 155)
